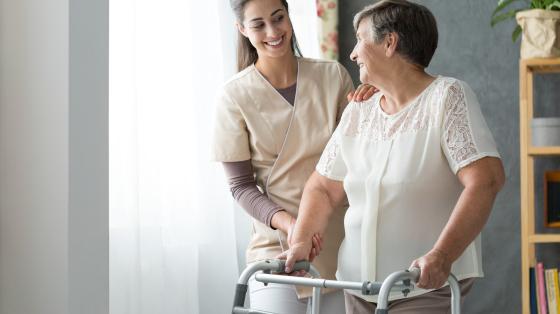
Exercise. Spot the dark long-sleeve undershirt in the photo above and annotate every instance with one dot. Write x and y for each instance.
(243, 187)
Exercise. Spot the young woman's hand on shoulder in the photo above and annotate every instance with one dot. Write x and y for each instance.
(363, 92)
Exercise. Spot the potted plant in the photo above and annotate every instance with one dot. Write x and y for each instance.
(538, 21)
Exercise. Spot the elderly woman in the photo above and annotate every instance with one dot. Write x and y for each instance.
(416, 162)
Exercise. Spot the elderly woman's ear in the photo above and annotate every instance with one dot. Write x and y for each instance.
(390, 43)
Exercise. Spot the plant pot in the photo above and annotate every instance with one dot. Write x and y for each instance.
(541, 30)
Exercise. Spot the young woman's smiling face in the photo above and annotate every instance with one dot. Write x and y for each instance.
(267, 25)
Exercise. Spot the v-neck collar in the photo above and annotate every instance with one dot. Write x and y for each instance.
(267, 83)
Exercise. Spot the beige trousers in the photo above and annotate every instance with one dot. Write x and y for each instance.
(434, 302)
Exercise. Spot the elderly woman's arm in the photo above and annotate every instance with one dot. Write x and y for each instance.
(320, 197)
(482, 179)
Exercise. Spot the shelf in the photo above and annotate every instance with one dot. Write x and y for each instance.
(530, 240)
(544, 238)
(544, 151)
(542, 65)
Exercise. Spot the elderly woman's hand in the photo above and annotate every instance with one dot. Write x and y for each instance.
(434, 269)
(316, 241)
(363, 92)
(297, 252)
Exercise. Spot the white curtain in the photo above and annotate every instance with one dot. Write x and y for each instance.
(172, 237)
(177, 242)
(307, 33)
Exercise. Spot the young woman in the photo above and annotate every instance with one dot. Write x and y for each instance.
(274, 119)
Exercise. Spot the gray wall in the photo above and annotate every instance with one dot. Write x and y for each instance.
(487, 60)
(33, 157)
(53, 157)
(88, 149)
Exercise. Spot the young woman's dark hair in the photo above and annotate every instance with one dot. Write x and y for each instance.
(246, 53)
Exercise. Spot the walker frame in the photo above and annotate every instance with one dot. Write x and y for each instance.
(401, 281)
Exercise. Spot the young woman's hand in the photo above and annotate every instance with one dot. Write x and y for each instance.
(283, 221)
(363, 92)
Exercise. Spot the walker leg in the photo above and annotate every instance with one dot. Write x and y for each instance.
(316, 300)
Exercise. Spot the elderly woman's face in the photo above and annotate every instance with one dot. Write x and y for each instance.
(367, 54)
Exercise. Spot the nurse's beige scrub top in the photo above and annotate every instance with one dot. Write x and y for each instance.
(399, 174)
(284, 143)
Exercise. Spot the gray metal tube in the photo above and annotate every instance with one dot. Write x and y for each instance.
(455, 294)
(309, 282)
(253, 268)
(270, 265)
(324, 283)
(242, 310)
(292, 280)
(383, 298)
(266, 265)
(316, 299)
(414, 275)
(274, 266)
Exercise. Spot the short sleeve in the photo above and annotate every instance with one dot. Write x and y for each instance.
(346, 87)
(331, 164)
(465, 135)
(230, 141)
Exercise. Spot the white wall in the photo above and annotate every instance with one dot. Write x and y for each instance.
(51, 243)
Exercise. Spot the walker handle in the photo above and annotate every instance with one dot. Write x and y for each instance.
(415, 271)
(267, 266)
(414, 275)
(299, 265)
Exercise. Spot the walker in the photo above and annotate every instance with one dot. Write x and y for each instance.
(398, 281)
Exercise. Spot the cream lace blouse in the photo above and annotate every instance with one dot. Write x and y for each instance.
(399, 174)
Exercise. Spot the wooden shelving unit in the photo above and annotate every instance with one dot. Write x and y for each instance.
(527, 69)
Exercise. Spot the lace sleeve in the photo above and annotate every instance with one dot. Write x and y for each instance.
(465, 135)
(331, 163)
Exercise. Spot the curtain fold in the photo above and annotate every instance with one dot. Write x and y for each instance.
(171, 223)
(327, 13)
(307, 34)
(176, 240)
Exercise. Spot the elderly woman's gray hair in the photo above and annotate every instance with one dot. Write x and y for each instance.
(414, 24)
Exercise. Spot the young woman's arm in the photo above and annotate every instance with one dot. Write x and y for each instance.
(243, 187)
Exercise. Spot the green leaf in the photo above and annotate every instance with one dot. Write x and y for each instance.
(554, 6)
(502, 4)
(516, 33)
(538, 4)
(503, 16)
